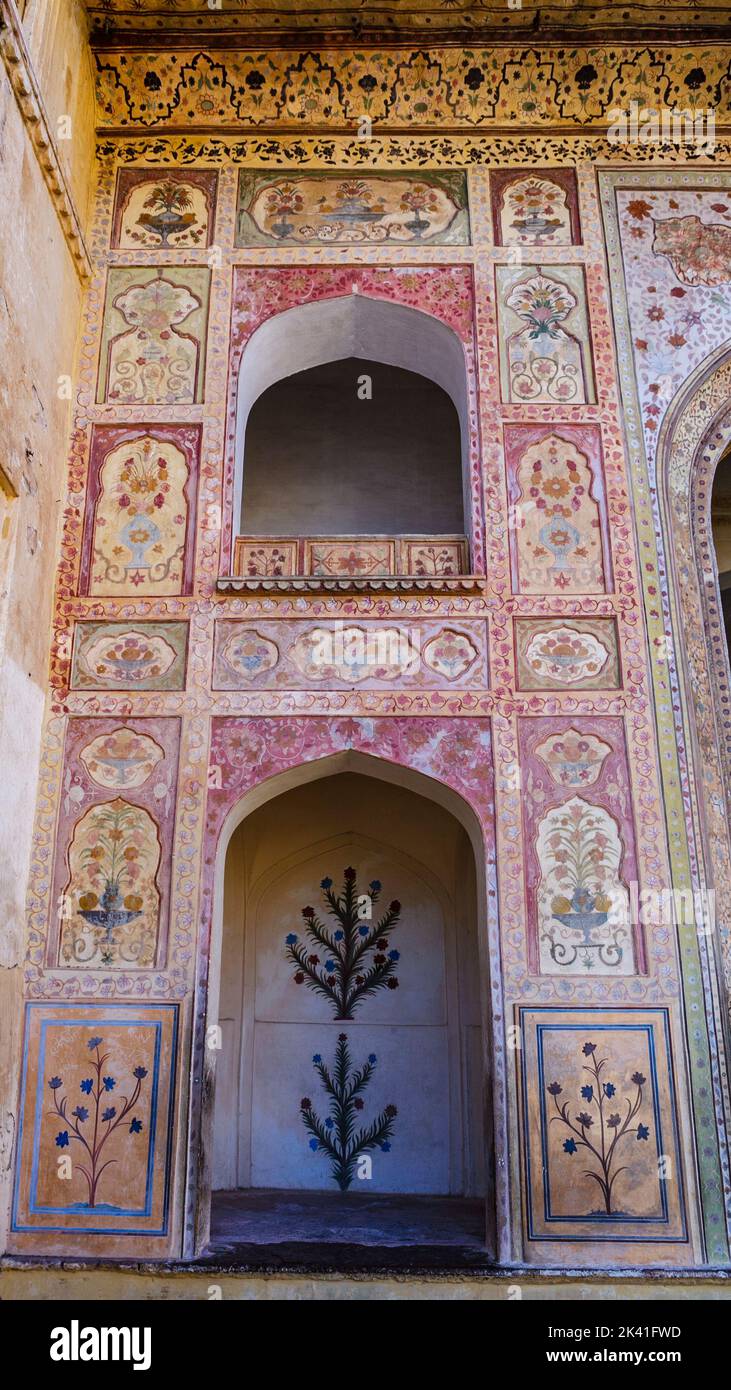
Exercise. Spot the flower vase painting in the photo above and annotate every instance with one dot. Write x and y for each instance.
(112, 903)
(545, 354)
(583, 903)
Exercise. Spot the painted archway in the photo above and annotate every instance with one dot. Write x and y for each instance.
(354, 312)
(240, 788)
(350, 917)
(696, 433)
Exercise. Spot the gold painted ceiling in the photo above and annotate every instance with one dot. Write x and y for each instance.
(439, 19)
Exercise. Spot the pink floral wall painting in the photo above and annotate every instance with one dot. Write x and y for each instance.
(570, 654)
(336, 655)
(129, 655)
(121, 758)
(580, 836)
(545, 350)
(558, 510)
(113, 861)
(674, 243)
(140, 519)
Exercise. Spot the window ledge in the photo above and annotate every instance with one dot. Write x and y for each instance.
(379, 584)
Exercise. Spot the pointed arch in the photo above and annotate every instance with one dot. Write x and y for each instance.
(695, 434)
(357, 326)
(431, 789)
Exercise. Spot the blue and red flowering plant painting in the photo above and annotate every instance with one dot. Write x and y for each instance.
(350, 961)
(95, 1118)
(601, 1125)
(336, 1134)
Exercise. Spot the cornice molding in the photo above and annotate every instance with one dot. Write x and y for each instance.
(23, 81)
(404, 90)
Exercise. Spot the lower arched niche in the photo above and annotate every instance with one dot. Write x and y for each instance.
(350, 1099)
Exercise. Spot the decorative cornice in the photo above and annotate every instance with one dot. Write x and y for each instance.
(437, 90)
(377, 584)
(450, 151)
(22, 77)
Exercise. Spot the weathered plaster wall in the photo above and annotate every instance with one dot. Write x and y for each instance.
(40, 307)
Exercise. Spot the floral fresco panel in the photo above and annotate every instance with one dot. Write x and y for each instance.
(373, 655)
(164, 208)
(603, 1158)
(95, 1136)
(544, 339)
(580, 845)
(112, 873)
(536, 208)
(141, 504)
(129, 656)
(676, 249)
(567, 653)
(299, 209)
(559, 534)
(153, 347)
(112, 899)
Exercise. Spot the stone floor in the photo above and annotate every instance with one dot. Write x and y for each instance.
(285, 1228)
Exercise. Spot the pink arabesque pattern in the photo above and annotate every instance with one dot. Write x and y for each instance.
(675, 324)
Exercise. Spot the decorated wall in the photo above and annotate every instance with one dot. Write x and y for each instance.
(534, 672)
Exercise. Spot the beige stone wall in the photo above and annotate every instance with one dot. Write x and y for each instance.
(113, 1285)
(40, 300)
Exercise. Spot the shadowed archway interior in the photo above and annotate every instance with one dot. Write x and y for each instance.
(387, 456)
(353, 447)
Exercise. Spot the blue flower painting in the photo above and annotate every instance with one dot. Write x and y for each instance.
(89, 1129)
(599, 1128)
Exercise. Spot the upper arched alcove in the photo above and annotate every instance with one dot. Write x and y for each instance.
(352, 420)
(352, 447)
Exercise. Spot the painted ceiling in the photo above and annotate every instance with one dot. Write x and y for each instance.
(673, 19)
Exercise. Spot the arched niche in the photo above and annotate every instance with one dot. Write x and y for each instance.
(288, 842)
(351, 327)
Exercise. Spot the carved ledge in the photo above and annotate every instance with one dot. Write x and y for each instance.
(35, 117)
(349, 584)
